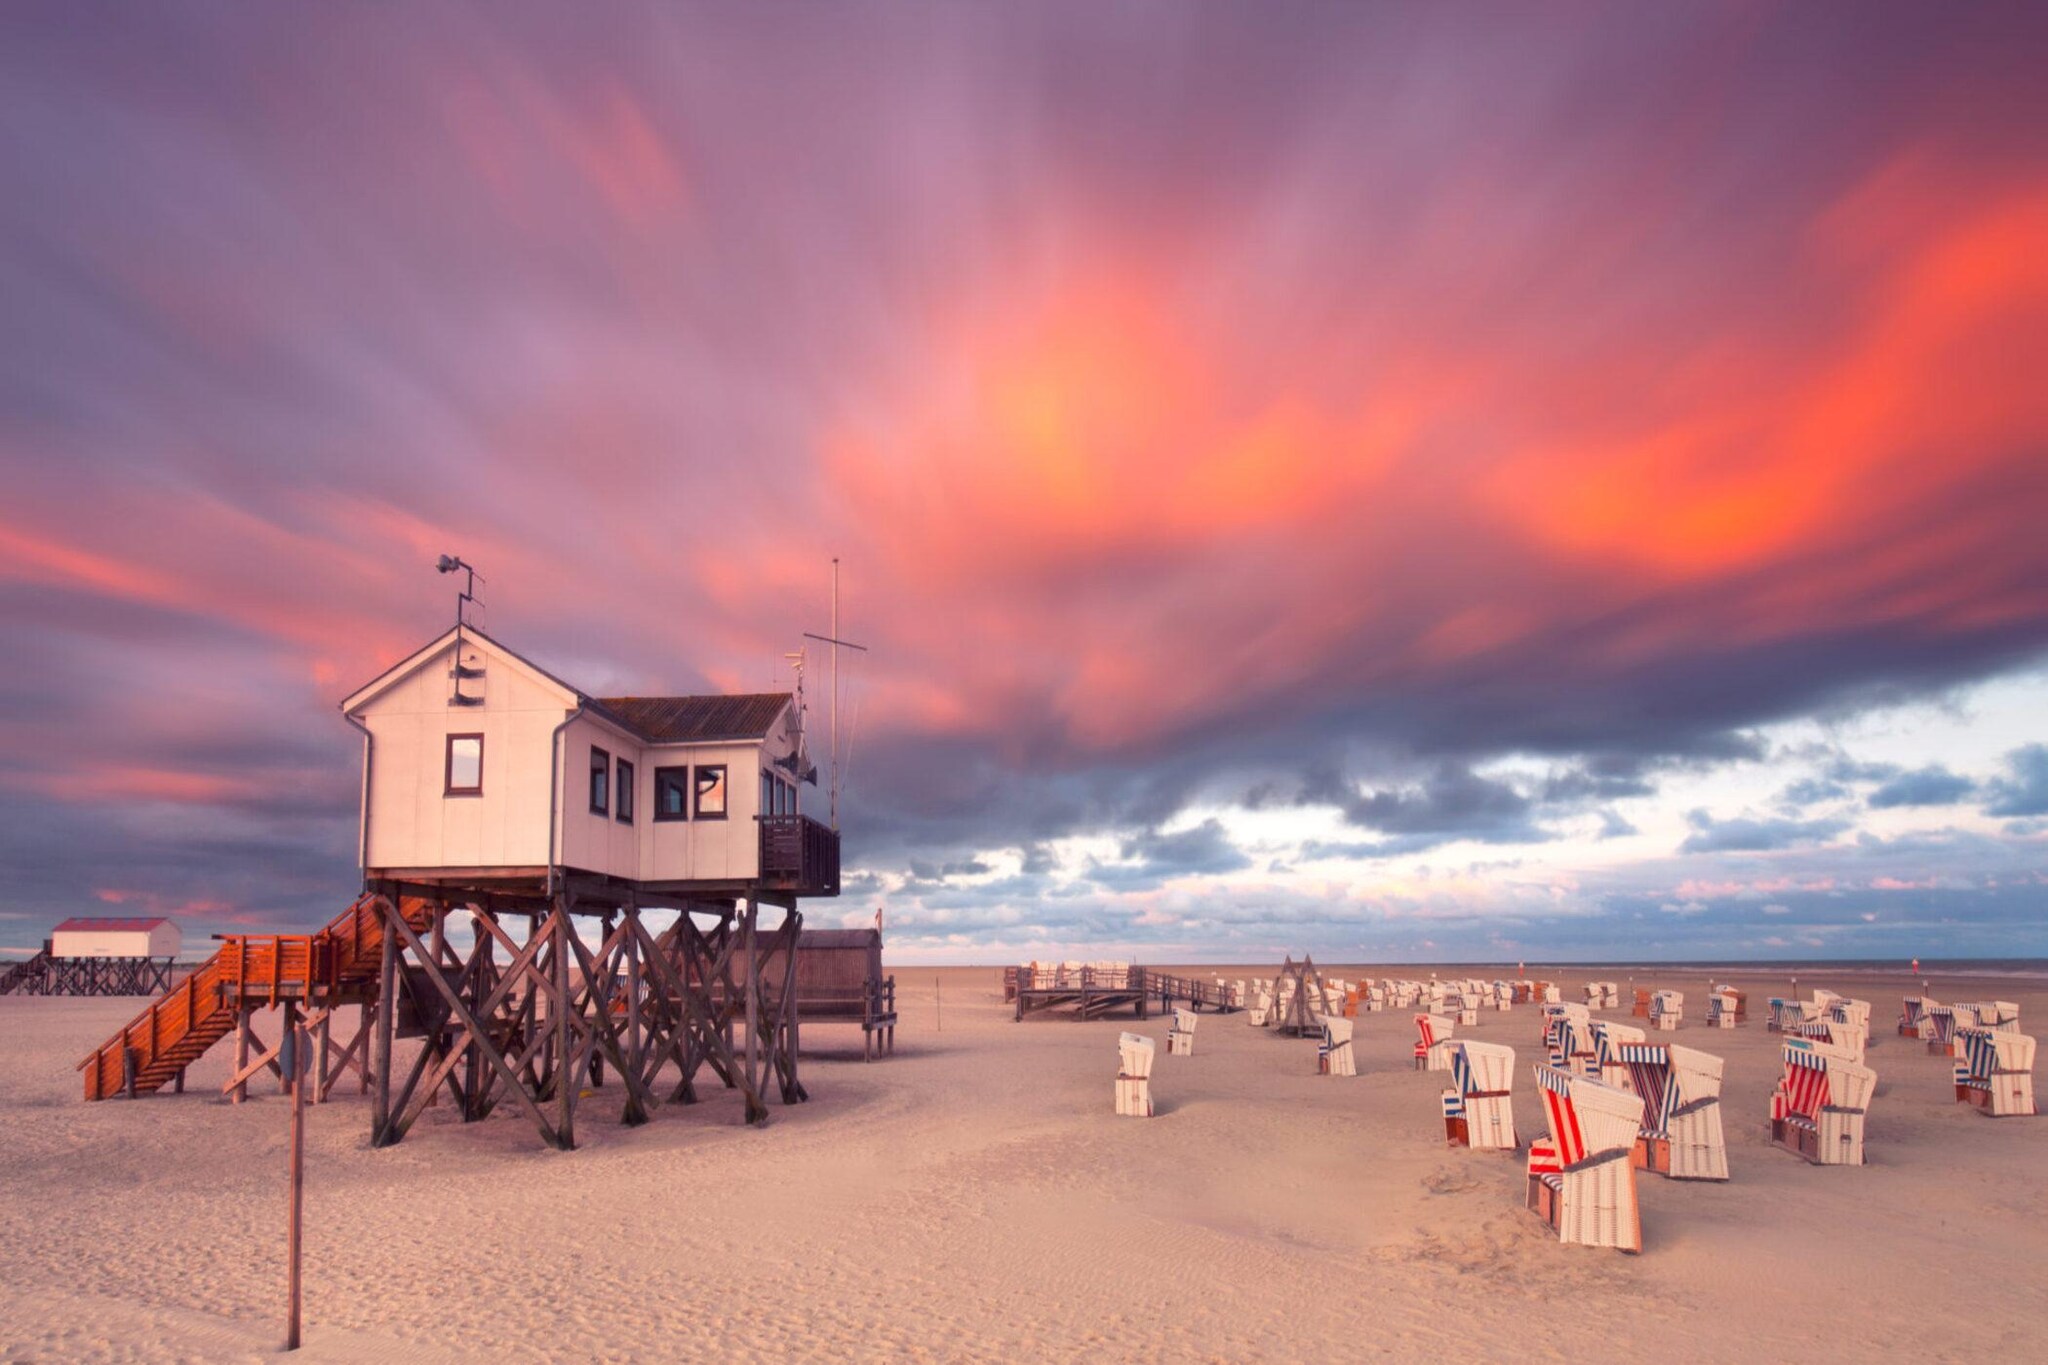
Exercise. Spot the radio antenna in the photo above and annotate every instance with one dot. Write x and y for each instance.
(836, 643)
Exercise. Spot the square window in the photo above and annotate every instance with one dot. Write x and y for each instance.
(671, 793)
(464, 773)
(711, 791)
(600, 781)
(623, 803)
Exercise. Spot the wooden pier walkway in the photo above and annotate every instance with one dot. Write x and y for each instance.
(1092, 992)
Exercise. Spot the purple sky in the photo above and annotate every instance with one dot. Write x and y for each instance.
(1403, 481)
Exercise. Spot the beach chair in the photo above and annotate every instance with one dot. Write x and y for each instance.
(1478, 1109)
(1180, 1039)
(1608, 1036)
(1680, 1088)
(1581, 1180)
(1820, 1104)
(1786, 1014)
(1844, 1037)
(1641, 1009)
(1548, 992)
(1995, 1071)
(1568, 1040)
(1939, 1027)
(1596, 996)
(1720, 1009)
(1433, 1033)
(1911, 1012)
(1134, 1076)
(1333, 1054)
(1667, 1009)
(2000, 1014)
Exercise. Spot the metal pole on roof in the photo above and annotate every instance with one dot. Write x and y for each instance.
(835, 692)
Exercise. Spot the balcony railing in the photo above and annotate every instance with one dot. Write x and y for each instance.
(799, 854)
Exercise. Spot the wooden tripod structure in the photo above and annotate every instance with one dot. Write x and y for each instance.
(532, 1022)
(1299, 1018)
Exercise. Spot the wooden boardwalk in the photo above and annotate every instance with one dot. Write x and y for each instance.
(1092, 993)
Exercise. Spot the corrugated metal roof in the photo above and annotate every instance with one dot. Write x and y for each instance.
(680, 720)
(108, 925)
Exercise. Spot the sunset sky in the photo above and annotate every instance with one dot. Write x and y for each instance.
(1404, 482)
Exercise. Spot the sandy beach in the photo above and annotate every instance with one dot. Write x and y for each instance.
(974, 1198)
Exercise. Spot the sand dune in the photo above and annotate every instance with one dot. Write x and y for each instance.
(975, 1198)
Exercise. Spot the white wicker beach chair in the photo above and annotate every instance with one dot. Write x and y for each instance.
(1333, 1056)
(1995, 1071)
(1180, 1039)
(1820, 1104)
(1608, 1036)
(1667, 1009)
(1581, 1180)
(1134, 1076)
(1681, 1093)
(1478, 1109)
(1434, 1032)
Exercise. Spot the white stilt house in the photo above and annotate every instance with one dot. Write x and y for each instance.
(482, 768)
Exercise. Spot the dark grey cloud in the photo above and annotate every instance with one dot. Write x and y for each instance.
(2023, 790)
(1745, 834)
(1933, 785)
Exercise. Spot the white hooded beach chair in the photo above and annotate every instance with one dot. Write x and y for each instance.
(1939, 1027)
(1581, 1180)
(1680, 1088)
(1134, 1076)
(1608, 1036)
(1548, 993)
(1568, 1039)
(1479, 1111)
(1667, 1010)
(1333, 1054)
(1433, 1035)
(1180, 1039)
(1995, 1071)
(1786, 1014)
(1820, 1104)
(1720, 1009)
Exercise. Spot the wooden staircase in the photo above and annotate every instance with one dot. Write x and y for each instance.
(178, 1028)
(25, 976)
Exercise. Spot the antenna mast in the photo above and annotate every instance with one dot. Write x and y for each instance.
(834, 641)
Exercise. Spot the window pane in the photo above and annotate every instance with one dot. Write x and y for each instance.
(600, 781)
(711, 791)
(671, 793)
(465, 762)
(625, 801)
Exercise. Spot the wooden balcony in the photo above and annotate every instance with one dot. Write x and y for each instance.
(799, 855)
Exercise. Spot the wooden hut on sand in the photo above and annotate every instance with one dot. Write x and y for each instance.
(839, 980)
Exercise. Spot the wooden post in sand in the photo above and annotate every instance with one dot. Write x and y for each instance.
(293, 1055)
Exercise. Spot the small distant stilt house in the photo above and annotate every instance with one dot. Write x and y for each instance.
(104, 955)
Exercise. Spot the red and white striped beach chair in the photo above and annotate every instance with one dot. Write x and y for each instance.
(1681, 1093)
(1479, 1111)
(1581, 1181)
(1134, 1075)
(1433, 1034)
(1820, 1104)
(1995, 1071)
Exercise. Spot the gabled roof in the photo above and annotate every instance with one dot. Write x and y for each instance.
(405, 667)
(686, 720)
(653, 720)
(109, 924)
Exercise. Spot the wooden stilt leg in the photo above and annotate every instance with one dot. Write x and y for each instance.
(241, 1090)
(381, 1134)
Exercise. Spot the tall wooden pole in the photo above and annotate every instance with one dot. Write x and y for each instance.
(565, 1042)
(296, 1045)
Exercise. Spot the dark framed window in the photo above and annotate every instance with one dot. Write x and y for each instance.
(600, 781)
(671, 793)
(463, 774)
(623, 802)
(769, 805)
(710, 791)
